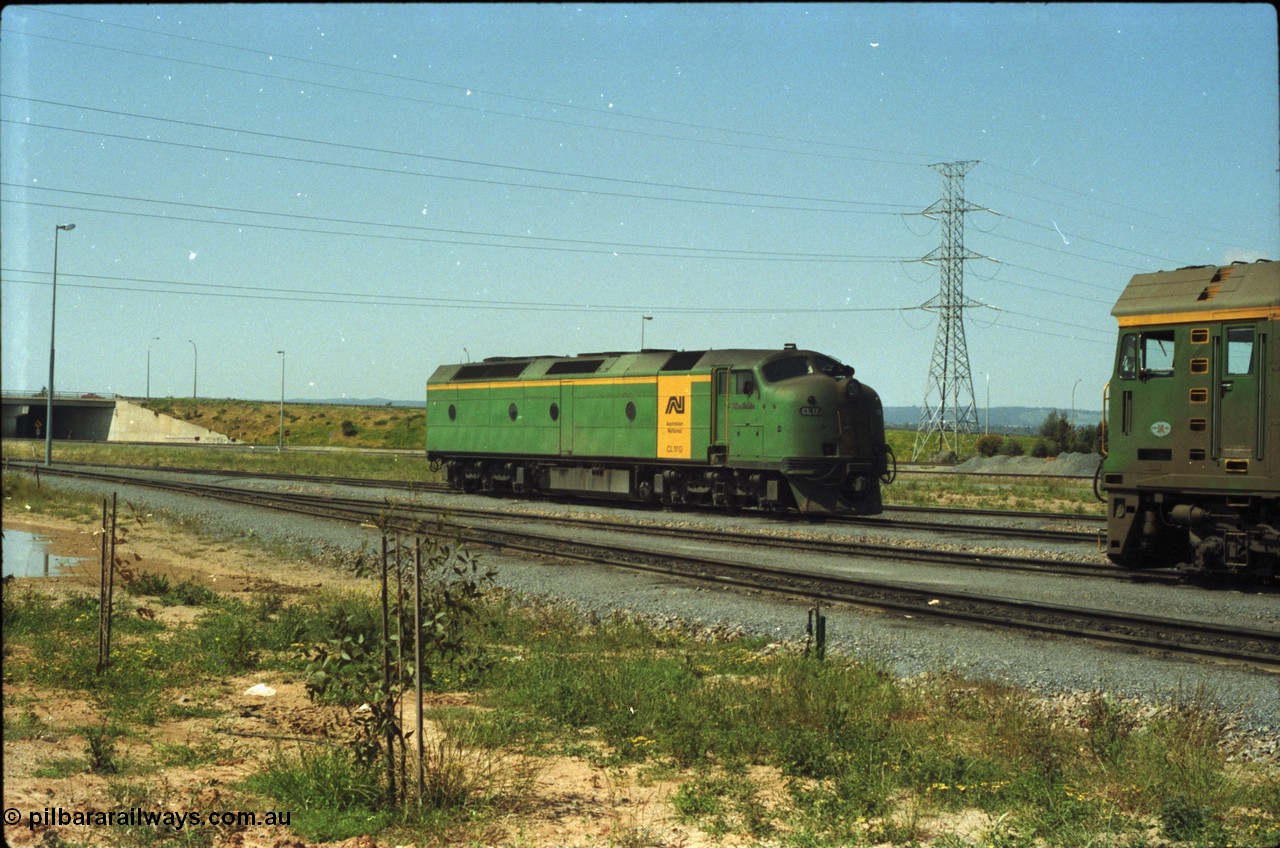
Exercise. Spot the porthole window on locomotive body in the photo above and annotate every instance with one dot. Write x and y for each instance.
(512, 412)
(555, 412)
(631, 411)
(453, 412)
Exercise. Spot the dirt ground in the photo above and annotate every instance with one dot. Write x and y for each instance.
(570, 803)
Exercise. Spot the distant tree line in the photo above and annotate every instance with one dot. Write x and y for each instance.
(1056, 436)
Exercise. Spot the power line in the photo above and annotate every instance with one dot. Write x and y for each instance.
(408, 173)
(488, 112)
(469, 162)
(386, 237)
(363, 298)
(468, 90)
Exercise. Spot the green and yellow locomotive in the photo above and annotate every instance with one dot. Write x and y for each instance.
(1192, 471)
(773, 429)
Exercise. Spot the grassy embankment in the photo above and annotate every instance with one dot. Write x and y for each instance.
(306, 424)
(763, 746)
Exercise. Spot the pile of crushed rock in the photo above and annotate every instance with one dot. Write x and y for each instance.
(1066, 465)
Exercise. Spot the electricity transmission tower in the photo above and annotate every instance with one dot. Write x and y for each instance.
(949, 410)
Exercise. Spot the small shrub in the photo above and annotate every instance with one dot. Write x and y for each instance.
(349, 429)
(989, 444)
(1181, 820)
(1012, 447)
(189, 594)
(149, 583)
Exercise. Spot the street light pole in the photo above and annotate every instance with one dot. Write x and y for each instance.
(1073, 407)
(643, 318)
(280, 448)
(195, 367)
(153, 339)
(53, 323)
(987, 430)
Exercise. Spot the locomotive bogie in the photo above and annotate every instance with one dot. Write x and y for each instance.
(769, 429)
(1191, 473)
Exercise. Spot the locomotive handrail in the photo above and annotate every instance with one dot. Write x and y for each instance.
(1102, 431)
(891, 468)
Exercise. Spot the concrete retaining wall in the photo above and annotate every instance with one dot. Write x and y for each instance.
(133, 423)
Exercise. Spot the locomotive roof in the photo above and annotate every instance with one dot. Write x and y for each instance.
(1241, 291)
(646, 361)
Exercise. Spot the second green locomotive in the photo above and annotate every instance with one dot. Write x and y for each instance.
(773, 429)
(1192, 472)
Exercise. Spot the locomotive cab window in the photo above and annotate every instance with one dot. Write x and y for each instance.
(1157, 353)
(1239, 350)
(744, 383)
(785, 369)
(1127, 365)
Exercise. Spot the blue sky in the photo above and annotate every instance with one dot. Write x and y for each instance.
(379, 189)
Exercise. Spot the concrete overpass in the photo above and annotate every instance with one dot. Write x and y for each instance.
(96, 418)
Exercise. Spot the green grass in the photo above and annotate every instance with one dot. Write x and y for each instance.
(856, 749)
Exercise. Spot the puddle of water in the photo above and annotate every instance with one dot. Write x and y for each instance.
(27, 555)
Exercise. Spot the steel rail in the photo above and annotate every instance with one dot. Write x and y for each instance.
(1251, 647)
(1023, 533)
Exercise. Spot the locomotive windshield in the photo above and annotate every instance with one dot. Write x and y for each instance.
(798, 366)
(1157, 353)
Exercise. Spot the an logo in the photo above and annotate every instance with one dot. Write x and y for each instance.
(1160, 429)
(675, 404)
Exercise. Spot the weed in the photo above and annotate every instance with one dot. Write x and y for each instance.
(100, 750)
(332, 795)
(149, 583)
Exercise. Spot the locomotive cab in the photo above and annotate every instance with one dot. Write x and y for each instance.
(827, 433)
(1191, 468)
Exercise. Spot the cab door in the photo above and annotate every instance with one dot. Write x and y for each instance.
(719, 414)
(1240, 390)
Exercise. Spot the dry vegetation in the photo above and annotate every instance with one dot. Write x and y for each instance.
(311, 424)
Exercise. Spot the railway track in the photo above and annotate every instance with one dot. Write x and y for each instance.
(1258, 649)
(947, 521)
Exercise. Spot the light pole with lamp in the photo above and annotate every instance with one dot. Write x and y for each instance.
(53, 323)
(195, 367)
(153, 339)
(643, 318)
(280, 449)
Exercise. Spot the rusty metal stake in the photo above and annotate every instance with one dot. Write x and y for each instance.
(816, 632)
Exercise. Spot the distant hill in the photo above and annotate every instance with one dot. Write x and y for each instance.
(1004, 419)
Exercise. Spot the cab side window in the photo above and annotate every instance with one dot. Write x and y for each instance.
(744, 383)
(1239, 350)
(1127, 366)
